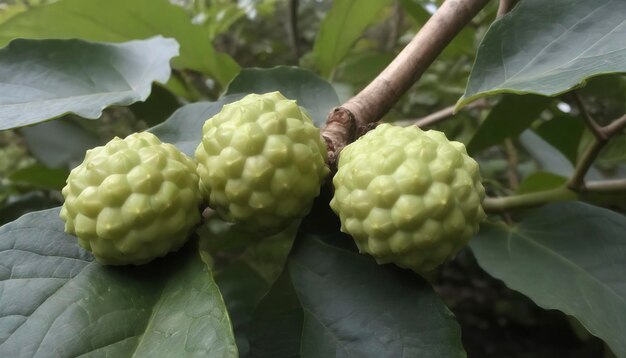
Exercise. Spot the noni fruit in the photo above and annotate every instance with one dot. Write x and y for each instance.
(261, 162)
(408, 196)
(132, 200)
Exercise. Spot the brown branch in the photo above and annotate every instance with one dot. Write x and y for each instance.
(504, 7)
(385, 90)
(606, 186)
(614, 127)
(340, 130)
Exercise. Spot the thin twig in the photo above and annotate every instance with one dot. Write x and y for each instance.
(385, 90)
(576, 182)
(441, 115)
(606, 186)
(591, 124)
(577, 179)
(614, 127)
(523, 201)
(563, 193)
(294, 33)
(511, 172)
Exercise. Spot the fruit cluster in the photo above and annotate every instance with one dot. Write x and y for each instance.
(406, 196)
(260, 163)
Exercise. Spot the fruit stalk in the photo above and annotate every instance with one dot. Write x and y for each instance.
(351, 119)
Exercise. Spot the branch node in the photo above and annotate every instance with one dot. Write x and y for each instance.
(340, 129)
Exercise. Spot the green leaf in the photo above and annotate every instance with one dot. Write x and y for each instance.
(605, 97)
(242, 288)
(220, 16)
(36, 82)
(549, 47)
(9, 10)
(344, 23)
(463, 42)
(549, 158)
(17, 206)
(540, 181)
(48, 142)
(278, 323)
(55, 298)
(361, 68)
(245, 267)
(613, 154)
(564, 132)
(510, 117)
(184, 127)
(416, 10)
(313, 93)
(123, 20)
(565, 256)
(331, 301)
(159, 106)
(40, 177)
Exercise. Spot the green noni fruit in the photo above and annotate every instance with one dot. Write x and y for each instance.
(261, 162)
(132, 200)
(407, 196)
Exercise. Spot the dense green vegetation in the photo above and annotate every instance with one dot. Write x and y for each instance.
(537, 95)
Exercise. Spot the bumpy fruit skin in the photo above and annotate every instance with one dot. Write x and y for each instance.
(132, 200)
(407, 196)
(261, 162)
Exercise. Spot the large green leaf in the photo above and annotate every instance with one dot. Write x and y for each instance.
(344, 24)
(415, 9)
(333, 302)
(564, 132)
(548, 47)
(57, 301)
(18, 205)
(123, 20)
(242, 288)
(43, 79)
(566, 256)
(549, 158)
(362, 67)
(9, 10)
(510, 117)
(158, 107)
(245, 267)
(540, 181)
(313, 93)
(38, 176)
(48, 142)
(184, 127)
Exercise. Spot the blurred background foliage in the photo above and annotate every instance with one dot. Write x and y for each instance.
(265, 33)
